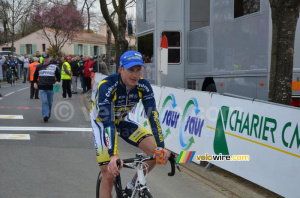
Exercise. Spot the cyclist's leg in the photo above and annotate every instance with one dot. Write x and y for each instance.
(148, 146)
(139, 136)
(16, 74)
(106, 183)
(102, 158)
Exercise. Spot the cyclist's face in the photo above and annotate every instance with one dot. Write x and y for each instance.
(131, 76)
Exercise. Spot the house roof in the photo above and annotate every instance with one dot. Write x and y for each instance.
(90, 38)
(87, 38)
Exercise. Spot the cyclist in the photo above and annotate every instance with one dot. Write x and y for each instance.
(12, 64)
(116, 96)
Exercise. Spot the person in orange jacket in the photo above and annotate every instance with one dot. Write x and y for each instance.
(30, 74)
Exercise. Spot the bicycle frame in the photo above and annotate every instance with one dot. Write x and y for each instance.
(138, 164)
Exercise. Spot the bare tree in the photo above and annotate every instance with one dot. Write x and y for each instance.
(119, 29)
(88, 5)
(13, 11)
(285, 14)
(4, 7)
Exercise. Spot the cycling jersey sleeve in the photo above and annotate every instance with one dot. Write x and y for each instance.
(152, 113)
(106, 116)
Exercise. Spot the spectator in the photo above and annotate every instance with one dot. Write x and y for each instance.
(39, 56)
(66, 76)
(30, 76)
(112, 61)
(100, 66)
(80, 61)
(47, 75)
(2, 61)
(75, 65)
(88, 67)
(25, 67)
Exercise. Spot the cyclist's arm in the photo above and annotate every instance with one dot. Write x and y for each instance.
(106, 116)
(153, 117)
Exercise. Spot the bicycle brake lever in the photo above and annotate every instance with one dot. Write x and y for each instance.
(177, 165)
(172, 161)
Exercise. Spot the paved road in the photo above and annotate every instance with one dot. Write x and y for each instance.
(59, 159)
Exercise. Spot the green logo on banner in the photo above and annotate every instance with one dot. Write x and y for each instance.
(220, 144)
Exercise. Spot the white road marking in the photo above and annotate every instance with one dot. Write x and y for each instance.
(7, 128)
(20, 117)
(14, 137)
(9, 93)
(23, 88)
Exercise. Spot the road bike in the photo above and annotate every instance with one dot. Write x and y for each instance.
(140, 190)
(12, 78)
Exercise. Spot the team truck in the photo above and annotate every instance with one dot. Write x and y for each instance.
(220, 46)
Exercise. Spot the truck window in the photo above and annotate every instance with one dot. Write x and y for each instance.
(174, 46)
(244, 7)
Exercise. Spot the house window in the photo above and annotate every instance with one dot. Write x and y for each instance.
(174, 46)
(44, 47)
(28, 48)
(80, 49)
(244, 7)
(96, 50)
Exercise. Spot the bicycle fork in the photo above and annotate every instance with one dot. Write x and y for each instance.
(140, 184)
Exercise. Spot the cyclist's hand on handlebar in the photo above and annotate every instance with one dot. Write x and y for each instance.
(166, 156)
(112, 166)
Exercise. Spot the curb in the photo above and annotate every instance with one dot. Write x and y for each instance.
(226, 182)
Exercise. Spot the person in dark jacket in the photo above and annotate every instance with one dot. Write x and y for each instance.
(75, 65)
(80, 61)
(48, 75)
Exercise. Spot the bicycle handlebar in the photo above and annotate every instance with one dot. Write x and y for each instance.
(141, 158)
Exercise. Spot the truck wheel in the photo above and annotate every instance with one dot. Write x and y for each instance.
(211, 88)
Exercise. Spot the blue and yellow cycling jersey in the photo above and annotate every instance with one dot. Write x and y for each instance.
(114, 101)
(12, 64)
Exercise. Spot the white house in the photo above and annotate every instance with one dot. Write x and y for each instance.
(82, 44)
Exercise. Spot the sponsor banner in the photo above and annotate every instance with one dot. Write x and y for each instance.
(183, 114)
(267, 132)
(97, 80)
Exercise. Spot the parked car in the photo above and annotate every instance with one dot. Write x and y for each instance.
(7, 53)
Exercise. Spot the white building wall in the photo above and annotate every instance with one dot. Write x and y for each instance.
(37, 40)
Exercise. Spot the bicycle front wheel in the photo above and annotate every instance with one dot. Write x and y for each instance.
(98, 187)
(99, 178)
(145, 194)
